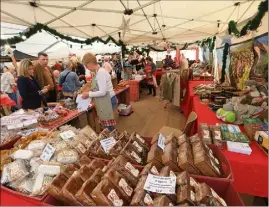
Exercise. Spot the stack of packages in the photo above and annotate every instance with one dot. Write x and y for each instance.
(211, 134)
(183, 154)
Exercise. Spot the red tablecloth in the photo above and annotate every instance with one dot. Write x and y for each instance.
(250, 171)
(6, 101)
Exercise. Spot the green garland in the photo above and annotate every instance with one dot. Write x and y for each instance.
(224, 58)
(251, 25)
(38, 27)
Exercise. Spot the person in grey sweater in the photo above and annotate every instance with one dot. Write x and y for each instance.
(69, 80)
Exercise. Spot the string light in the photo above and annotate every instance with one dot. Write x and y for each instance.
(23, 37)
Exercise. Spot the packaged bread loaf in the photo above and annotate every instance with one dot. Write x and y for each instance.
(170, 156)
(130, 154)
(107, 194)
(152, 168)
(142, 198)
(205, 133)
(155, 154)
(186, 195)
(55, 188)
(181, 139)
(162, 200)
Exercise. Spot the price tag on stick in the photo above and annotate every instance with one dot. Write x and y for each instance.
(161, 141)
(108, 143)
(160, 184)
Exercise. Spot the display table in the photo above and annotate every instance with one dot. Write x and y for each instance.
(135, 89)
(123, 95)
(250, 171)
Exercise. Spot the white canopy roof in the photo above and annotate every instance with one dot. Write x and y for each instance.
(177, 21)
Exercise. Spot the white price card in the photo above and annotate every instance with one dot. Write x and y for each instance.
(161, 141)
(47, 153)
(15, 126)
(108, 143)
(160, 184)
(29, 122)
(67, 134)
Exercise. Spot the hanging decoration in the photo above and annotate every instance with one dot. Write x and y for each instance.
(38, 27)
(224, 58)
(124, 26)
(226, 39)
(251, 25)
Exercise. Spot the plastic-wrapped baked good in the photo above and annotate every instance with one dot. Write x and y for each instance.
(185, 161)
(121, 183)
(94, 148)
(141, 183)
(84, 160)
(140, 140)
(194, 138)
(203, 163)
(142, 198)
(67, 156)
(55, 188)
(80, 148)
(107, 194)
(34, 163)
(153, 168)
(13, 171)
(83, 195)
(22, 154)
(130, 154)
(207, 196)
(181, 139)
(114, 134)
(162, 200)
(88, 132)
(85, 141)
(85, 172)
(126, 169)
(41, 184)
(184, 178)
(167, 172)
(155, 153)
(26, 186)
(96, 164)
(216, 135)
(185, 195)
(70, 189)
(51, 170)
(36, 144)
(205, 133)
(170, 156)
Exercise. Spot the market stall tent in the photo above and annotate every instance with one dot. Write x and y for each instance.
(18, 56)
(174, 21)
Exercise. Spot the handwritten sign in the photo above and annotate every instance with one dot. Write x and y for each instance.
(160, 184)
(108, 143)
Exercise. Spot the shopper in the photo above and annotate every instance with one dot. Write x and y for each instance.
(78, 68)
(117, 67)
(102, 92)
(30, 91)
(150, 70)
(184, 63)
(107, 65)
(44, 77)
(69, 80)
(8, 83)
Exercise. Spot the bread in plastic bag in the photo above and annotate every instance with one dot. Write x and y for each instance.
(41, 184)
(22, 154)
(36, 144)
(67, 156)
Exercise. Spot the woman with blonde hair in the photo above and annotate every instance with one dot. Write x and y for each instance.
(30, 91)
(102, 91)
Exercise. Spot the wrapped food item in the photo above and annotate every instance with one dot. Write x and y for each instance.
(104, 134)
(167, 172)
(107, 194)
(22, 154)
(86, 142)
(69, 127)
(84, 160)
(140, 141)
(205, 133)
(85, 172)
(41, 184)
(59, 145)
(184, 178)
(35, 162)
(170, 156)
(114, 134)
(80, 148)
(141, 183)
(13, 171)
(206, 166)
(36, 145)
(121, 183)
(126, 169)
(51, 170)
(194, 138)
(185, 159)
(155, 154)
(55, 188)
(83, 195)
(26, 185)
(89, 133)
(95, 164)
(130, 154)
(153, 168)
(93, 150)
(67, 156)
(70, 189)
(162, 200)
(181, 139)
(207, 196)
(186, 195)
(142, 198)
(216, 135)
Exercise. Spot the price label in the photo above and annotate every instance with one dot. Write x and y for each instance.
(47, 153)
(161, 141)
(108, 143)
(30, 122)
(160, 184)
(67, 134)
(15, 126)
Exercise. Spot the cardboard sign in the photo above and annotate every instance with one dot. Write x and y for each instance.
(160, 184)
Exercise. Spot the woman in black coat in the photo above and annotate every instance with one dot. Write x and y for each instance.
(30, 91)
